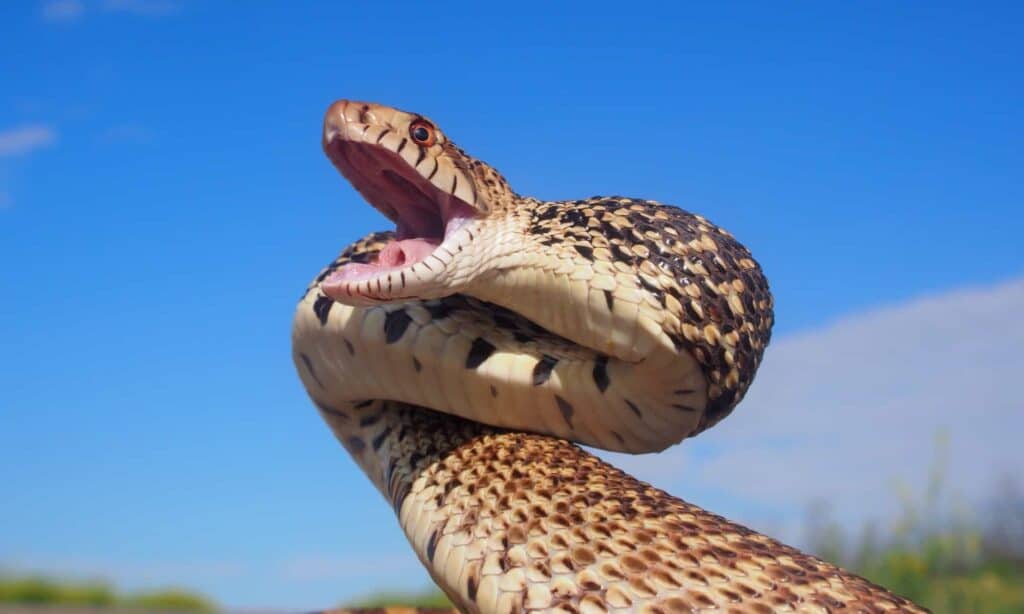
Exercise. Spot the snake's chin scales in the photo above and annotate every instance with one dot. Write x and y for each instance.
(458, 356)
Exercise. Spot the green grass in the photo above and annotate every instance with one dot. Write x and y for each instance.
(428, 598)
(939, 553)
(36, 590)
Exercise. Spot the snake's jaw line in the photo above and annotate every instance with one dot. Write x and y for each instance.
(440, 199)
(615, 322)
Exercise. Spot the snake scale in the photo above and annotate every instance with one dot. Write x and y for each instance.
(459, 357)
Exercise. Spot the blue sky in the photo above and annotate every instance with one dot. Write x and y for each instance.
(164, 200)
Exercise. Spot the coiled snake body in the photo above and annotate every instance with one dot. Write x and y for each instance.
(457, 357)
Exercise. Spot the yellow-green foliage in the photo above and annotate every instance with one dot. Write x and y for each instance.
(35, 590)
(38, 590)
(948, 561)
(431, 598)
(176, 600)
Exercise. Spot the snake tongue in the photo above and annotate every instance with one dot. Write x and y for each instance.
(406, 251)
(395, 255)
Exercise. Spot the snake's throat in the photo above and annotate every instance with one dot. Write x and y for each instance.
(425, 217)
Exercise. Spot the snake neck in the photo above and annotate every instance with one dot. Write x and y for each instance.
(639, 282)
(508, 522)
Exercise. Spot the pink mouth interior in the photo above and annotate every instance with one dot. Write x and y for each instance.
(423, 214)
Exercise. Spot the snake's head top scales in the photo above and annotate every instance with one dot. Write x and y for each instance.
(437, 195)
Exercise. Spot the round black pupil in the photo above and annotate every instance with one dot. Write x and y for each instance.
(420, 133)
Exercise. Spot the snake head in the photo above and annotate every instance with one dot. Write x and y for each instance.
(438, 197)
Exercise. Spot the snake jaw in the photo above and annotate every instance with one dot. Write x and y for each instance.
(422, 185)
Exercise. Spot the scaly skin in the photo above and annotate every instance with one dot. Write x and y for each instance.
(615, 322)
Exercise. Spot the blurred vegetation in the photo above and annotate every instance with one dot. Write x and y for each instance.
(938, 553)
(428, 598)
(39, 591)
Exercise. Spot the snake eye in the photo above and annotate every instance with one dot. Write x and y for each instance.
(422, 132)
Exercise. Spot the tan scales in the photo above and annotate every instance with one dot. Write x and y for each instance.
(615, 322)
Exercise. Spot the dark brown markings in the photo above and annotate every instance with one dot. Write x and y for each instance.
(312, 372)
(438, 311)
(601, 373)
(433, 172)
(547, 213)
(383, 133)
(422, 154)
(654, 290)
(363, 110)
(522, 337)
(619, 255)
(575, 217)
(356, 444)
(618, 437)
(432, 544)
(401, 145)
(678, 341)
(566, 408)
(455, 183)
(378, 441)
(636, 410)
(479, 351)
(414, 458)
(362, 404)
(609, 299)
(471, 587)
(416, 365)
(542, 370)
(370, 420)
(322, 308)
(494, 391)
(684, 407)
(585, 251)
(395, 324)
(403, 490)
(348, 346)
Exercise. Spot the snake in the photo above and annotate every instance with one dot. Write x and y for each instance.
(464, 357)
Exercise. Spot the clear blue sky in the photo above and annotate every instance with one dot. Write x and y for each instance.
(164, 200)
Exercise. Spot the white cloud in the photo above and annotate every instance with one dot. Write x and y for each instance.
(73, 10)
(845, 412)
(63, 10)
(147, 8)
(26, 139)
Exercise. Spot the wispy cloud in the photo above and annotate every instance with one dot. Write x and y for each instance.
(843, 413)
(63, 10)
(25, 139)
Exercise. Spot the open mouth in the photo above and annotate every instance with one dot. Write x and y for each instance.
(424, 215)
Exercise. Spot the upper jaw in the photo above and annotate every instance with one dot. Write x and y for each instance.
(374, 159)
